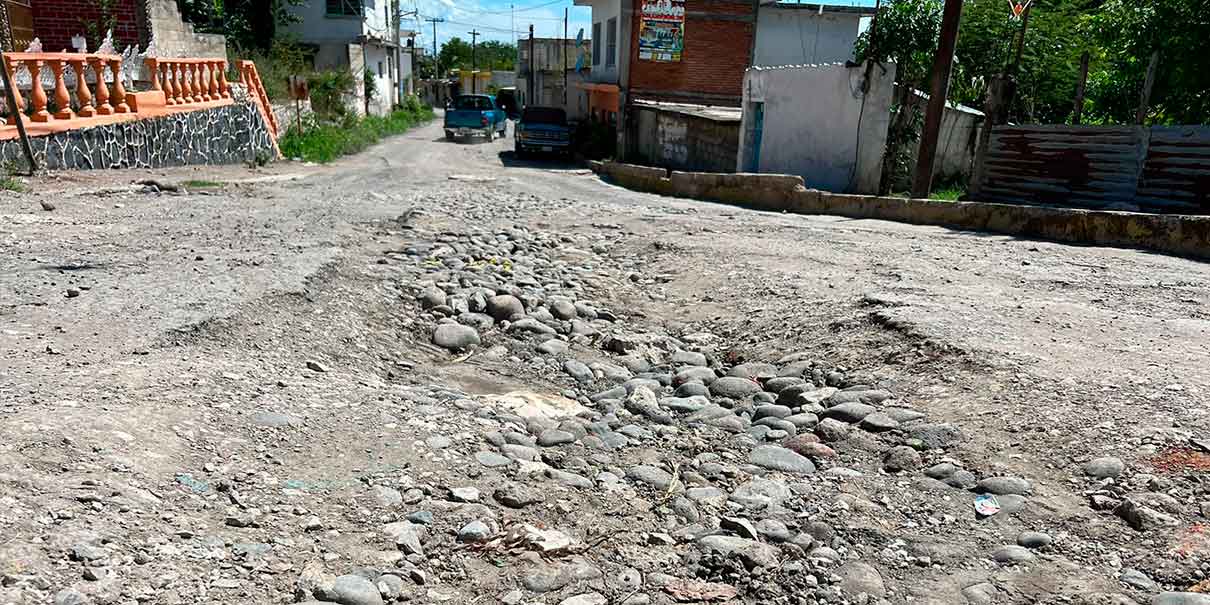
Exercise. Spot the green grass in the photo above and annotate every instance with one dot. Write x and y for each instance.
(326, 142)
(201, 184)
(948, 195)
(9, 183)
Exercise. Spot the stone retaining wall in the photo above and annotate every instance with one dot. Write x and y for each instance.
(1172, 234)
(222, 135)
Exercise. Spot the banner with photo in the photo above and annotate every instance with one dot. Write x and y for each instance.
(662, 30)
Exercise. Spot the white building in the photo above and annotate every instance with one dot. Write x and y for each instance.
(807, 34)
(354, 35)
(610, 60)
(547, 76)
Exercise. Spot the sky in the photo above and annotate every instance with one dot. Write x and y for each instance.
(507, 20)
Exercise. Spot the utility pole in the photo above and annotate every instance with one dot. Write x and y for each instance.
(922, 185)
(436, 57)
(563, 44)
(393, 23)
(474, 60)
(530, 79)
(1081, 85)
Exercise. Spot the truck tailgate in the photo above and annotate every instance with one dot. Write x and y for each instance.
(464, 118)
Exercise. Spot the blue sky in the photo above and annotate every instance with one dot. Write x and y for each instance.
(495, 20)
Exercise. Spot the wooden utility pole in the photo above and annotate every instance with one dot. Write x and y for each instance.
(563, 44)
(530, 79)
(436, 57)
(474, 60)
(1148, 84)
(18, 117)
(922, 185)
(1078, 110)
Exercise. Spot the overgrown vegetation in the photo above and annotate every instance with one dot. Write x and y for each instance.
(201, 184)
(11, 183)
(282, 59)
(250, 25)
(331, 94)
(325, 141)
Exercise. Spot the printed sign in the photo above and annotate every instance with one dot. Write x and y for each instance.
(662, 30)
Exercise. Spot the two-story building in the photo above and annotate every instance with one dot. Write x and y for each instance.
(354, 35)
(551, 71)
(609, 58)
(807, 34)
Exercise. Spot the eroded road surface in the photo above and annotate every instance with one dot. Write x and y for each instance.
(433, 373)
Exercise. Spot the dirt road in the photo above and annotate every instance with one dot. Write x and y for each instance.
(234, 395)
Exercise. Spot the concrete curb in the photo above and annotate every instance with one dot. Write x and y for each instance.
(1180, 235)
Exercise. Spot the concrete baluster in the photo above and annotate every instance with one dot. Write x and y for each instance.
(216, 89)
(153, 68)
(37, 96)
(204, 78)
(83, 95)
(186, 84)
(224, 86)
(119, 91)
(98, 68)
(169, 90)
(19, 113)
(62, 97)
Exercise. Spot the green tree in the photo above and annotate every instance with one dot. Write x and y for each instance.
(457, 53)
(906, 35)
(1127, 33)
(250, 25)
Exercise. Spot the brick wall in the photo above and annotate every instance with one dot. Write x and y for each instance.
(56, 21)
(718, 43)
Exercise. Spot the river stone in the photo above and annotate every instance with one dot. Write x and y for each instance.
(505, 307)
(655, 477)
(1033, 539)
(553, 437)
(803, 421)
(878, 422)
(530, 325)
(1012, 554)
(831, 430)
(753, 553)
(455, 337)
(553, 346)
(354, 590)
(579, 371)
(753, 370)
(781, 459)
(492, 459)
(940, 471)
(857, 578)
(431, 296)
(851, 413)
(901, 458)
(1137, 579)
(475, 531)
(688, 358)
(692, 389)
(1004, 485)
(733, 387)
(903, 415)
(705, 376)
(962, 479)
(771, 411)
(1104, 468)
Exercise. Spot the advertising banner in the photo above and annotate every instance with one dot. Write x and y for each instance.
(662, 30)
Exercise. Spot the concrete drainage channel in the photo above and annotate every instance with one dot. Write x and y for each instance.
(1181, 235)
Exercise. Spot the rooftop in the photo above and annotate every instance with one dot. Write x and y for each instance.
(819, 7)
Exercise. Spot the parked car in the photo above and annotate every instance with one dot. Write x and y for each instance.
(543, 130)
(475, 115)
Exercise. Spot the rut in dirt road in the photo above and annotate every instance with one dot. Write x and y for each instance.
(453, 377)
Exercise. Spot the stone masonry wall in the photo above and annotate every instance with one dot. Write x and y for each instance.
(222, 135)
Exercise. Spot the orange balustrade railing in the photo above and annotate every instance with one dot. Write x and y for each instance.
(176, 85)
(250, 78)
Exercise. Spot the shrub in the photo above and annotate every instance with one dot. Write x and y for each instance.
(325, 141)
(330, 92)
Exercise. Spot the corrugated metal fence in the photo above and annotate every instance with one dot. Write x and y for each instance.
(1162, 168)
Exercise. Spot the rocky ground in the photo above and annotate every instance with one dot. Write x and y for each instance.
(435, 374)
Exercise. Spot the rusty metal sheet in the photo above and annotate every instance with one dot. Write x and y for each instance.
(1176, 172)
(1092, 167)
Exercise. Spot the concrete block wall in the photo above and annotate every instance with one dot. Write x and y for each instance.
(176, 38)
(1181, 235)
(680, 141)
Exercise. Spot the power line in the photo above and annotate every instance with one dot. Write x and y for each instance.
(518, 9)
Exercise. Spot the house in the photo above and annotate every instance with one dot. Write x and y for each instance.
(353, 35)
(549, 73)
(135, 22)
(807, 34)
(611, 24)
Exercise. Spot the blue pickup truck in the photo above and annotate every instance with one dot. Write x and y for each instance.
(543, 130)
(475, 115)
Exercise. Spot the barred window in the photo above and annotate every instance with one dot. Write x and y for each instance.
(345, 8)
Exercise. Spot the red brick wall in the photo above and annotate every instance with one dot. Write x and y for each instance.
(718, 43)
(56, 21)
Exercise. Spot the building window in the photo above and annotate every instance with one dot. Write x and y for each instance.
(380, 69)
(611, 49)
(596, 43)
(345, 8)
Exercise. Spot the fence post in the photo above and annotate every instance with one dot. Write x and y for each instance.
(15, 105)
(1148, 84)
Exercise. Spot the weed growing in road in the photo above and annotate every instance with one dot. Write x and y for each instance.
(9, 183)
(326, 142)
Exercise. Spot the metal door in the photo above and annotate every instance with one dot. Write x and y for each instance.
(758, 127)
